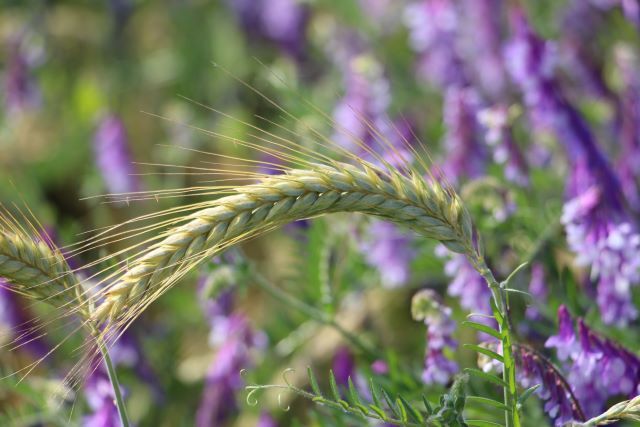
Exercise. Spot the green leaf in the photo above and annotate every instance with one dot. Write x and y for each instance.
(483, 328)
(389, 401)
(314, 382)
(403, 411)
(485, 376)
(353, 393)
(527, 393)
(413, 412)
(485, 351)
(427, 405)
(487, 401)
(507, 281)
(482, 423)
(334, 386)
(374, 393)
(380, 412)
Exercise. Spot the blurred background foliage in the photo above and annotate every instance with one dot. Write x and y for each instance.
(81, 62)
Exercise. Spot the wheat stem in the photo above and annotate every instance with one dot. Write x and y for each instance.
(430, 209)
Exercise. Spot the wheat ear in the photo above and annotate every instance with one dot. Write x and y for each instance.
(430, 209)
(36, 270)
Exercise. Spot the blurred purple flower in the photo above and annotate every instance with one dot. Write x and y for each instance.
(538, 290)
(565, 342)
(426, 306)
(282, 22)
(233, 338)
(499, 136)
(433, 35)
(100, 397)
(482, 44)
(113, 156)
(362, 126)
(466, 284)
(466, 155)
(389, 250)
(20, 89)
(266, 420)
(17, 324)
(629, 132)
(599, 369)
(598, 229)
(559, 404)
(343, 366)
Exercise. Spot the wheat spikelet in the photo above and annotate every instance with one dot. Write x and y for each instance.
(35, 269)
(430, 209)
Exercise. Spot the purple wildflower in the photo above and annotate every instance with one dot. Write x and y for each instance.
(598, 228)
(388, 249)
(100, 397)
(426, 306)
(113, 156)
(598, 368)
(466, 284)
(282, 22)
(361, 122)
(538, 290)
(233, 338)
(629, 132)
(344, 368)
(466, 155)
(534, 369)
(565, 342)
(21, 91)
(433, 30)
(16, 323)
(266, 420)
(482, 44)
(499, 136)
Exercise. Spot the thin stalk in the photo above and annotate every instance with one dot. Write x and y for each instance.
(113, 378)
(311, 312)
(512, 417)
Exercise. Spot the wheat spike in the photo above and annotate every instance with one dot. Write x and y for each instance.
(430, 209)
(36, 270)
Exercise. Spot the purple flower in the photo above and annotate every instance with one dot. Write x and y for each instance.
(282, 22)
(538, 290)
(426, 306)
(499, 136)
(100, 397)
(599, 369)
(466, 155)
(482, 44)
(233, 339)
(598, 229)
(433, 30)
(20, 89)
(466, 284)
(533, 369)
(629, 130)
(565, 342)
(389, 250)
(266, 420)
(113, 156)
(18, 324)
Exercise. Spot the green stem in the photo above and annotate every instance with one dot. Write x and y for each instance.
(113, 378)
(312, 313)
(512, 417)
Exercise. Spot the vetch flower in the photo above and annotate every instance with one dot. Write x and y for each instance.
(113, 156)
(282, 22)
(20, 89)
(598, 228)
(534, 369)
(389, 250)
(427, 307)
(599, 369)
(233, 338)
